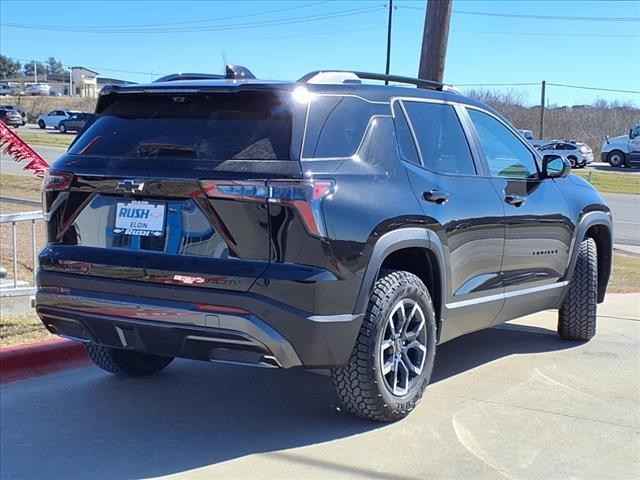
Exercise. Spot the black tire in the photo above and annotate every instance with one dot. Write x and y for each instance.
(577, 315)
(360, 384)
(573, 161)
(41, 124)
(616, 158)
(62, 128)
(126, 362)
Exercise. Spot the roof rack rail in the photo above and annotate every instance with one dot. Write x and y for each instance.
(348, 77)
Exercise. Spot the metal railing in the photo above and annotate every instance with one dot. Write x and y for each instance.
(14, 219)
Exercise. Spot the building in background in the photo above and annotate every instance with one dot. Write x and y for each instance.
(79, 82)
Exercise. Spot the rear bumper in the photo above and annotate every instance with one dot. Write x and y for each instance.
(191, 323)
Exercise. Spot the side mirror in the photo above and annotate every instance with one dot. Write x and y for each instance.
(554, 166)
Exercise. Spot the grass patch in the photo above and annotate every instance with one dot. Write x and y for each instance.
(625, 277)
(19, 329)
(612, 182)
(21, 186)
(47, 140)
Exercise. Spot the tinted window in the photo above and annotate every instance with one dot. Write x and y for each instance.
(406, 146)
(336, 125)
(506, 155)
(242, 126)
(442, 142)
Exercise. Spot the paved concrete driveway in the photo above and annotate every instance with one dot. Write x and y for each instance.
(510, 402)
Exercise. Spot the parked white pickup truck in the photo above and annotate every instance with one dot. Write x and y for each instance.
(623, 150)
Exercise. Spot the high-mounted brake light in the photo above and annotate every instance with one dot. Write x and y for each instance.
(54, 181)
(305, 196)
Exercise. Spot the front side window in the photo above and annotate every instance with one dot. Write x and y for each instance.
(440, 137)
(506, 155)
(636, 132)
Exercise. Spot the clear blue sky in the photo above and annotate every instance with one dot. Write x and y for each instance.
(115, 39)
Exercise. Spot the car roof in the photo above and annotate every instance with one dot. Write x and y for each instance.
(369, 92)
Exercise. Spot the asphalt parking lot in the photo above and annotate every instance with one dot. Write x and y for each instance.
(513, 401)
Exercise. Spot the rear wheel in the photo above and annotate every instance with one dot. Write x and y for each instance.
(392, 360)
(577, 315)
(62, 128)
(127, 362)
(616, 158)
(573, 161)
(41, 124)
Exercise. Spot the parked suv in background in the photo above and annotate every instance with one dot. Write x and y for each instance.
(18, 109)
(54, 117)
(324, 223)
(10, 117)
(578, 154)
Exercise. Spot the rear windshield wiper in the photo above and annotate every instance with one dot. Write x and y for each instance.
(157, 149)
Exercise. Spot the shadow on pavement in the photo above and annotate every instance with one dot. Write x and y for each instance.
(88, 424)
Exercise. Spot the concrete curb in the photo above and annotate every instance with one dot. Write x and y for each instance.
(35, 359)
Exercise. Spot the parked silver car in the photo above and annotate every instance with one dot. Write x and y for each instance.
(578, 154)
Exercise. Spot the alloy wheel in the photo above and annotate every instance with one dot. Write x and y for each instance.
(403, 349)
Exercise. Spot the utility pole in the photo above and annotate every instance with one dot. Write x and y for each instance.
(71, 81)
(542, 102)
(386, 82)
(434, 40)
(35, 71)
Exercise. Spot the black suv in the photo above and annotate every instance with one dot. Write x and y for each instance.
(323, 223)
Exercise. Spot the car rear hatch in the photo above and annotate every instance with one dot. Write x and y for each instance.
(173, 184)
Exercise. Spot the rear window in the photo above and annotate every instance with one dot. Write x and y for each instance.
(219, 126)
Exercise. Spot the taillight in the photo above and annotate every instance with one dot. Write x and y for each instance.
(54, 181)
(305, 196)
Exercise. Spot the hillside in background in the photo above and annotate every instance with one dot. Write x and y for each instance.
(583, 123)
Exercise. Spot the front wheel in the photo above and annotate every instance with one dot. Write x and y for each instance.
(393, 357)
(616, 158)
(577, 315)
(573, 161)
(41, 124)
(62, 128)
(127, 362)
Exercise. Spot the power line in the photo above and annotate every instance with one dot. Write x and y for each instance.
(190, 22)
(207, 28)
(537, 84)
(593, 88)
(539, 17)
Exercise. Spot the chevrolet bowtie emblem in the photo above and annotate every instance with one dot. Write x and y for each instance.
(130, 186)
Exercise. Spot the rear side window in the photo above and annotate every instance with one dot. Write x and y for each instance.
(336, 125)
(239, 126)
(441, 140)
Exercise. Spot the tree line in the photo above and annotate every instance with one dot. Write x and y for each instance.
(11, 68)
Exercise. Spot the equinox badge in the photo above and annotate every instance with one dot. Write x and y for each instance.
(130, 185)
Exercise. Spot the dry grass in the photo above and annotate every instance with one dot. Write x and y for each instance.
(36, 106)
(625, 277)
(19, 329)
(21, 186)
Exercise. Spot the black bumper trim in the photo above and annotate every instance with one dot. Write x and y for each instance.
(317, 344)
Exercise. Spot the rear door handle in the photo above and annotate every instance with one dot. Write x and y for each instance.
(515, 200)
(435, 196)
